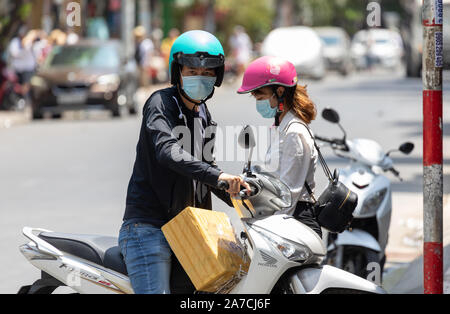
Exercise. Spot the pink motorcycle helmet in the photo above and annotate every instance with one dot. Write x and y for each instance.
(268, 71)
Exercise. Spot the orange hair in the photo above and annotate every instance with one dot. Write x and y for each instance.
(297, 100)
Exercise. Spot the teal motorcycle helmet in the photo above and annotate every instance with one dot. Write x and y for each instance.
(198, 49)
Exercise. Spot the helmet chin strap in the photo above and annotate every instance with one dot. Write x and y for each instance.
(280, 107)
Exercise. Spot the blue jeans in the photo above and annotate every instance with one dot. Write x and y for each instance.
(147, 256)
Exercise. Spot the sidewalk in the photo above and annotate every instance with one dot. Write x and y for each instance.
(9, 119)
(407, 277)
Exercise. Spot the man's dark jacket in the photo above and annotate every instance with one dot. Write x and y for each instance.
(161, 185)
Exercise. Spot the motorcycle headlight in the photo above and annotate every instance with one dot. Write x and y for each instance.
(295, 252)
(371, 204)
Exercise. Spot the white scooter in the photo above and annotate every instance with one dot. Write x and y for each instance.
(286, 255)
(361, 249)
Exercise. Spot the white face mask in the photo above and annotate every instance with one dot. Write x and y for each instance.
(199, 87)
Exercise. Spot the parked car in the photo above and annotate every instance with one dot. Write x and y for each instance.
(381, 47)
(90, 74)
(300, 45)
(336, 48)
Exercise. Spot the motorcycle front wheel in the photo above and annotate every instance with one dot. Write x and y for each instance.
(353, 259)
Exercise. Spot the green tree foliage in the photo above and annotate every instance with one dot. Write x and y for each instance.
(349, 14)
(256, 16)
(20, 11)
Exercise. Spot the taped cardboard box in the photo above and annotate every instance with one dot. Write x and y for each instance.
(206, 246)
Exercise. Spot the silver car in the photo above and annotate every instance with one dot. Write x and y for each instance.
(336, 48)
(301, 46)
(377, 47)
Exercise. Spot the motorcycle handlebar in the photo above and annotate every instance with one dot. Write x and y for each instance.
(223, 185)
(335, 142)
(324, 139)
(395, 172)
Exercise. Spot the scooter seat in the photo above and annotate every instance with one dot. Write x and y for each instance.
(100, 250)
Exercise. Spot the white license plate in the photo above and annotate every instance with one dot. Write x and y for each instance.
(72, 98)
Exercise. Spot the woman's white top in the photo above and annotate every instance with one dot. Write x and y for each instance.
(292, 157)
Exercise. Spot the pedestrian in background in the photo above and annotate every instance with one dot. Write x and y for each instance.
(167, 43)
(242, 47)
(143, 55)
(114, 7)
(57, 38)
(41, 47)
(21, 59)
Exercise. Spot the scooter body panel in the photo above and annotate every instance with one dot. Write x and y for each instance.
(289, 228)
(266, 267)
(358, 238)
(81, 275)
(316, 280)
(362, 180)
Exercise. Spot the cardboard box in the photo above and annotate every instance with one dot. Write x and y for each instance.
(206, 246)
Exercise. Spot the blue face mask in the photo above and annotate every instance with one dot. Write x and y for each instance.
(198, 87)
(265, 110)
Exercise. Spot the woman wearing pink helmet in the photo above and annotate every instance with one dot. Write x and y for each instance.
(273, 83)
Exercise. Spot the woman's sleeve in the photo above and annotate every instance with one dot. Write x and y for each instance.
(295, 159)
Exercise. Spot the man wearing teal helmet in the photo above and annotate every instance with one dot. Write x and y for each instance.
(167, 176)
(197, 50)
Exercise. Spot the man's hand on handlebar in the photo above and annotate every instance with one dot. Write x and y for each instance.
(234, 184)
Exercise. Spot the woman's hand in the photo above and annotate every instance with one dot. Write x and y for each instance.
(235, 183)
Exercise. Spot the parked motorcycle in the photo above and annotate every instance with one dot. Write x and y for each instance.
(365, 242)
(286, 255)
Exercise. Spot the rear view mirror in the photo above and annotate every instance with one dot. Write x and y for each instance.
(331, 115)
(247, 141)
(406, 148)
(247, 138)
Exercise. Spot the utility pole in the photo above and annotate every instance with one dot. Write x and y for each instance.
(432, 146)
(144, 15)
(210, 18)
(167, 8)
(127, 27)
(284, 13)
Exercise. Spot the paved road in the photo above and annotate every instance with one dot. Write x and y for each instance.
(71, 175)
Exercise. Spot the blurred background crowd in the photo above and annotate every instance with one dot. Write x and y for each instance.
(316, 35)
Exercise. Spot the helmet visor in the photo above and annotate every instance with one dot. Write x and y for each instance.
(200, 60)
